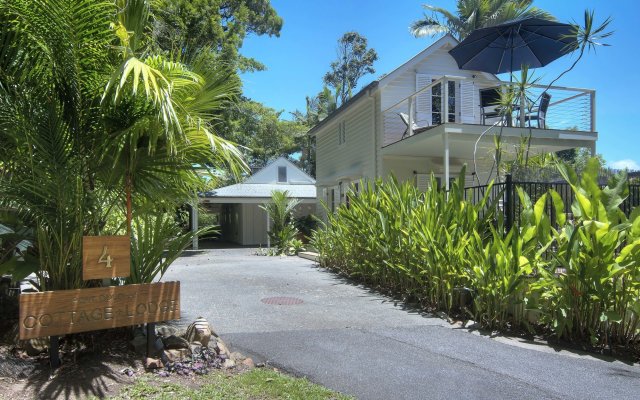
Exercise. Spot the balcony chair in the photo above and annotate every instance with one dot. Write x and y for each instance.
(414, 127)
(539, 113)
(490, 104)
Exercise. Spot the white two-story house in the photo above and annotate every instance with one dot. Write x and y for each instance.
(428, 116)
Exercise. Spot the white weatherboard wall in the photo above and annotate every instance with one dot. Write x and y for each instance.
(435, 65)
(350, 159)
(242, 219)
(254, 225)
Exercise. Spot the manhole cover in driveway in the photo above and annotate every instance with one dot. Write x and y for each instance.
(282, 301)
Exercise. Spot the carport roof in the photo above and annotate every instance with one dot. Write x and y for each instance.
(261, 190)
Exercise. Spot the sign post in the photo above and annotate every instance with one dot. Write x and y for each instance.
(63, 312)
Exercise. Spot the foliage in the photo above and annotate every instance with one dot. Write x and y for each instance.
(592, 288)
(263, 135)
(578, 278)
(18, 257)
(317, 108)
(306, 224)
(397, 238)
(188, 26)
(354, 60)
(88, 109)
(157, 242)
(280, 211)
(473, 14)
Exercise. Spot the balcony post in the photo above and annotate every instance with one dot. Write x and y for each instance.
(445, 99)
(445, 139)
(523, 109)
(593, 111)
(411, 112)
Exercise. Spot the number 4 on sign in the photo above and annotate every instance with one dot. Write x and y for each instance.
(105, 258)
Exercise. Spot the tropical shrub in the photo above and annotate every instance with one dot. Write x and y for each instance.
(92, 120)
(591, 289)
(579, 278)
(283, 231)
(157, 241)
(401, 240)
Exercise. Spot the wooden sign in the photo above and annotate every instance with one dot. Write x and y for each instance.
(69, 311)
(106, 257)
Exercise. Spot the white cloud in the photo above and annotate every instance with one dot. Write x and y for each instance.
(625, 164)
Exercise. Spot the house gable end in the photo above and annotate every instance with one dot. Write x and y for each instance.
(272, 173)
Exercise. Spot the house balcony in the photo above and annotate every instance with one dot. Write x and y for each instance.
(568, 109)
(467, 128)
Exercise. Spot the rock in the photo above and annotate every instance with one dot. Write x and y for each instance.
(196, 347)
(36, 346)
(158, 347)
(174, 355)
(165, 331)
(248, 362)
(222, 348)
(199, 331)
(175, 342)
(237, 356)
(152, 363)
(139, 344)
(14, 368)
(228, 363)
(32, 347)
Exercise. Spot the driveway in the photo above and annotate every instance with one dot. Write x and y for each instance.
(360, 343)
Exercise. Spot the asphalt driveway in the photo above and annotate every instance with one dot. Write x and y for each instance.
(360, 343)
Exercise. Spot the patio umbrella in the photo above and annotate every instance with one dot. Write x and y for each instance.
(506, 47)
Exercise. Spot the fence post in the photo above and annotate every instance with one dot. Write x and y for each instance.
(509, 206)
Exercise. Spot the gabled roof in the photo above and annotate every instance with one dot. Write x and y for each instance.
(370, 87)
(376, 85)
(262, 190)
(269, 173)
(262, 183)
(418, 58)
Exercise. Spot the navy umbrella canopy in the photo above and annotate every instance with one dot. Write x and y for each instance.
(506, 47)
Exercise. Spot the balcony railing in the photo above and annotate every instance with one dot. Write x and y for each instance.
(459, 99)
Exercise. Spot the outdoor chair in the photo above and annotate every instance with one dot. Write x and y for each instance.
(490, 104)
(414, 127)
(539, 113)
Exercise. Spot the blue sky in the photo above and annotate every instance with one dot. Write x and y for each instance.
(297, 60)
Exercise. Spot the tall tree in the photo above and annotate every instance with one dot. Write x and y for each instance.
(354, 61)
(473, 14)
(87, 110)
(261, 132)
(317, 109)
(189, 26)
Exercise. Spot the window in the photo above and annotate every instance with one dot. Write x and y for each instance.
(332, 199)
(342, 132)
(436, 102)
(282, 174)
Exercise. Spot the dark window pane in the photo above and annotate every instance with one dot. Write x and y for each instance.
(282, 174)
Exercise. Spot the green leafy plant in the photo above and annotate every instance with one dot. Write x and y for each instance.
(157, 242)
(280, 211)
(591, 289)
(579, 277)
(91, 119)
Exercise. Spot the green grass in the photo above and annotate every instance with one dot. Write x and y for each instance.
(259, 384)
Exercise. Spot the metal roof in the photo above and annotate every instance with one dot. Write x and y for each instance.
(262, 190)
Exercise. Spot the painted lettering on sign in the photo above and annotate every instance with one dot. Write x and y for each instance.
(70, 311)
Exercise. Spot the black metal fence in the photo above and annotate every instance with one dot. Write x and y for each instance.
(508, 202)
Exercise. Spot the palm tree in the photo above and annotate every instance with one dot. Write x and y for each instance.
(87, 110)
(473, 14)
(280, 211)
